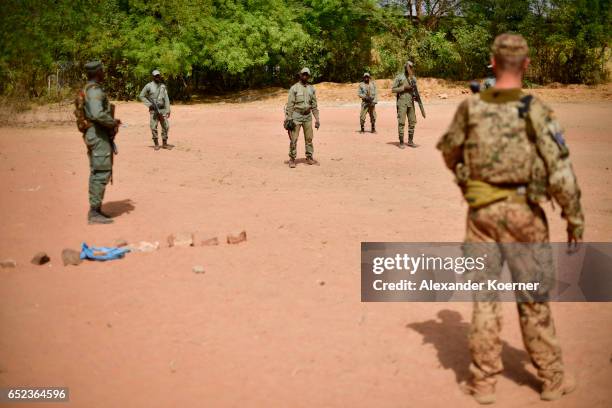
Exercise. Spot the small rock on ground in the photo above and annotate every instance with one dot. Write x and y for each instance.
(145, 246)
(120, 242)
(236, 239)
(40, 258)
(71, 257)
(198, 269)
(181, 239)
(8, 263)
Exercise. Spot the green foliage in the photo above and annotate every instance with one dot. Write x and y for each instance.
(221, 45)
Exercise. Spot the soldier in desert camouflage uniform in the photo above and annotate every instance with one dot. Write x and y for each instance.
(367, 93)
(508, 153)
(403, 88)
(301, 107)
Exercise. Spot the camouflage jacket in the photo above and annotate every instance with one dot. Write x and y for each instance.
(398, 88)
(98, 109)
(157, 92)
(500, 138)
(302, 103)
(367, 90)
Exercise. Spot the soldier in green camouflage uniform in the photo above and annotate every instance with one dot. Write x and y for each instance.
(157, 91)
(367, 93)
(98, 141)
(301, 106)
(508, 153)
(403, 90)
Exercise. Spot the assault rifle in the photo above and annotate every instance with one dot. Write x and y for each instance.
(160, 117)
(417, 96)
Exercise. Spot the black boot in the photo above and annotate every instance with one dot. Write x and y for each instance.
(410, 142)
(401, 144)
(373, 127)
(156, 143)
(95, 217)
(362, 128)
(164, 144)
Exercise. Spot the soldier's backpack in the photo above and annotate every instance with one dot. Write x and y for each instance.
(79, 110)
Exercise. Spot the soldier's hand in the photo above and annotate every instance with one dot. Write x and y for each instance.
(117, 123)
(574, 237)
(407, 87)
(317, 124)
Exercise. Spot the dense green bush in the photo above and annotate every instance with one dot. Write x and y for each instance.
(223, 45)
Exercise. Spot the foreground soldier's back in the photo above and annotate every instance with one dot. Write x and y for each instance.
(508, 153)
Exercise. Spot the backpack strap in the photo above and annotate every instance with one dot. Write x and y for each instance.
(523, 110)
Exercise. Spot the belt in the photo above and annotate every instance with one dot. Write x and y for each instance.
(479, 193)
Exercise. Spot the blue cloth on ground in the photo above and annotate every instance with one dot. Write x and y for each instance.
(102, 253)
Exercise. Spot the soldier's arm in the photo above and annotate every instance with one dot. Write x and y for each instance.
(166, 100)
(96, 110)
(451, 143)
(374, 92)
(143, 94)
(397, 86)
(314, 105)
(290, 102)
(562, 183)
(361, 92)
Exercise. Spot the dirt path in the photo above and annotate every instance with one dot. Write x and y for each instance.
(259, 328)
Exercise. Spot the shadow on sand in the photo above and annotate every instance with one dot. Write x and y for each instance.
(116, 208)
(396, 144)
(303, 161)
(449, 335)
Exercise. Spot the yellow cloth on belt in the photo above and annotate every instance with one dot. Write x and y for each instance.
(480, 193)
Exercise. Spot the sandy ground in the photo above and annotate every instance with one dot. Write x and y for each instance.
(259, 328)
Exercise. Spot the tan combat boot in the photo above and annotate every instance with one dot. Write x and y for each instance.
(554, 392)
(292, 164)
(483, 392)
(310, 161)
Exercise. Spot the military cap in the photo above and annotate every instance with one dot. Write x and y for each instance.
(93, 66)
(305, 71)
(367, 74)
(155, 72)
(510, 46)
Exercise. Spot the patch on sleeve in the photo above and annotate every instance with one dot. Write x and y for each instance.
(558, 136)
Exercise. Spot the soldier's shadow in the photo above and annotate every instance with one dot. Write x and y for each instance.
(396, 144)
(117, 208)
(303, 161)
(449, 335)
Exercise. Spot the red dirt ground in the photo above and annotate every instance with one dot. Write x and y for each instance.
(258, 328)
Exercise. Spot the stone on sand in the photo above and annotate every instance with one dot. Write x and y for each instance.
(40, 258)
(71, 257)
(236, 239)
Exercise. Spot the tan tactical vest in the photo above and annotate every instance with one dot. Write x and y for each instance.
(497, 148)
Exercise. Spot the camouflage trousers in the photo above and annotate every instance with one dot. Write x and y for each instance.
(99, 153)
(365, 110)
(308, 135)
(509, 223)
(405, 108)
(165, 125)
